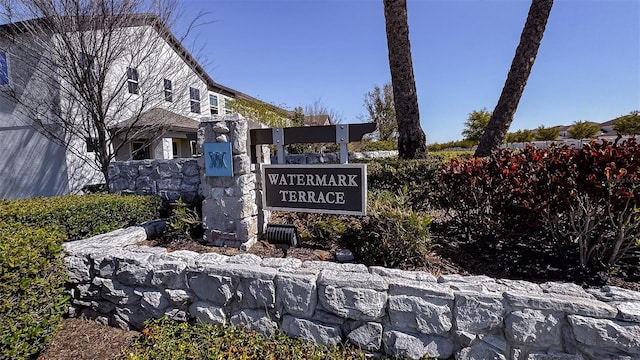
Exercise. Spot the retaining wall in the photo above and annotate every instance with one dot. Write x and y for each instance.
(378, 309)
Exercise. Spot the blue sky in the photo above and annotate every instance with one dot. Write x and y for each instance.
(293, 52)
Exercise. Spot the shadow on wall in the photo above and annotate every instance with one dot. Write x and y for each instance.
(31, 165)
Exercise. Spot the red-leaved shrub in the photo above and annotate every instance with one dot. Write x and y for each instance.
(583, 201)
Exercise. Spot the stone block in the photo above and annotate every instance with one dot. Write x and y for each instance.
(614, 293)
(207, 313)
(167, 274)
(393, 274)
(190, 168)
(239, 135)
(312, 331)
(416, 346)
(418, 314)
(257, 320)
(367, 337)
(222, 138)
(480, 351)
(358, 296)
(133, 315)
(153, 301)
(567, 289)
(420, 289)
(78, 269)
(560, 303)
(628, 311)
(475, 312)
(178, 296)
(241, 164)
(533, 327)
(117, 293)
(297, 293)
(167, 169)
(604, 333)
(219, 290)
(220, 127)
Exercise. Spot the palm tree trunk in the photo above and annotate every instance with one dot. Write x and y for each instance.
(519, 72)
(411, 138)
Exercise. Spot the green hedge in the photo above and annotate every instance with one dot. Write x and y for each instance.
(417, 179)
(32, 299)
(32, 270)
(81, 216)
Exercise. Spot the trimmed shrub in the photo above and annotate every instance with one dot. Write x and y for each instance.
(583, 203)
(391, 234)
(32, 299)
(417, 179)
(166, 339)
(379, 145)
(81, 216)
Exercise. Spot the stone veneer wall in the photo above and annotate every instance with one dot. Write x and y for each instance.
(180, 178)
(378, 309)
(168, 179)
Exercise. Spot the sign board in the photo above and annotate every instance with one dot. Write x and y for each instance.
(217, 159)
(329, 189)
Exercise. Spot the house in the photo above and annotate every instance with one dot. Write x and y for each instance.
(155, 90)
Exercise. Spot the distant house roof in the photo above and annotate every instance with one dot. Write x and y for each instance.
(161, 118)
(317, 120)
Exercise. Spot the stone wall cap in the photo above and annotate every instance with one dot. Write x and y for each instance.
(327, 265)
(352, 280)
(420, 289)
(562, 303)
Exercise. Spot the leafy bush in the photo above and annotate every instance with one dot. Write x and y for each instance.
(391, 234)
(32, 300)
(81, 216)
(585, 202)
(184, 223)
(418, 179)
(165, 339)
(378, 145)
(463, 144)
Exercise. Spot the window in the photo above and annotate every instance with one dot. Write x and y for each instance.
(174, 147)
(86, 61)
(92, 144)
(213, 103)
(4, 69)
(87, 65)
(227, 106)
(168, 90)
(132, 80)
(194, 96)
(140, 150)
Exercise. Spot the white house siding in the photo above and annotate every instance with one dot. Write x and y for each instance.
(31, 164)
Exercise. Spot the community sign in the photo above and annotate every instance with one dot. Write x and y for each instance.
(330, 189)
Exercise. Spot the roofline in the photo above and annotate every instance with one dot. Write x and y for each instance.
(155, 21)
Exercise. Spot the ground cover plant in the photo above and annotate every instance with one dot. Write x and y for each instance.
(167, 339)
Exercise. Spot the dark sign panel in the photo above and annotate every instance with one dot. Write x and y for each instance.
(331, 189)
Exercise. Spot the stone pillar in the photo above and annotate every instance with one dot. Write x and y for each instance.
(230, 212)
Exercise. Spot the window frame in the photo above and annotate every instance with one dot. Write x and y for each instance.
(168, 90)
(194, 101)
(133, 81)
(5, 79)
(214, 109)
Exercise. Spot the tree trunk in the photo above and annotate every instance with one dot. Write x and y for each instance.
(519, 72)
(411, 138)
